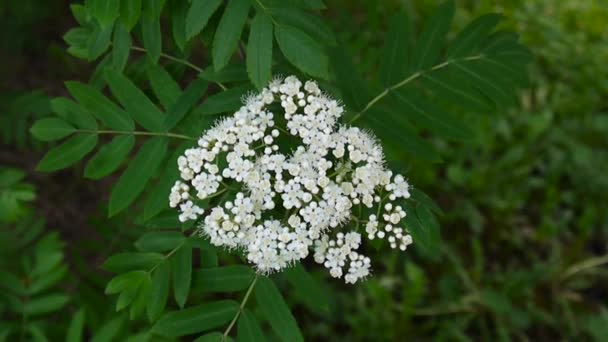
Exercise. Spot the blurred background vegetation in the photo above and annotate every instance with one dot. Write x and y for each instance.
(525, 224)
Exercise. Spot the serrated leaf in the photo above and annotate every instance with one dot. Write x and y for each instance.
(259, 51)
(184, 103)
(196, 319)
(198, 15)
(248, 329)
(106, 11)
(103, 109)
(159, 241)
(50, 129)
(68, 153)
(109, 157)
(275, 310)
(302, 51)
(76, 327)
(125, 262)
(121, 47)
(73, 113)
(134, 179)
(431, 39)
(139, 106)
(130, 10)
(181, 265)
(222, 279)
(395, 60)
(473, 35)
(307, 288)
(159, 293)
(164, 86)
(228, 32)
(226, 101)
(150, 28)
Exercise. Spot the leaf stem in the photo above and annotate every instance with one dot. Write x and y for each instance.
(241, 307)
(409, 79)
(170, 57)
(162, 134)
(584, 265)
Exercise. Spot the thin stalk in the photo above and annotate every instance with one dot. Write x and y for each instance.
(241, 307)
(160, 134)
(170, 57)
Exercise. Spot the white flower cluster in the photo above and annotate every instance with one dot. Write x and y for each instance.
(313, 189)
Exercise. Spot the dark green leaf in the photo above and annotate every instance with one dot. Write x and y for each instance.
(273, 308)
(431, 39)
(313, 25)
(302, 51)
(307, 288)
(394, 63)
(212, 337)
(248, 328)
(67, 153)
(353, 88)
(76, 327)
(121, 47)
(50, 129)
(124, 281)
(164, 86)
(259, 51)
(103, 109)
(99, 42)
(109, 331)
(45, 304)
(134, 179)
(473, 35)
(196, 319)
(449, 87)
(150, 28)
(109, 157)
(181, 265)
(222, 279)
(130, 10)
(231, 73)
(124, 262)
(226, 101)
(135, 101)
(198, 15)
(228, 32)
(73, 113)
(159, 291)
(106, 11)
(184, 103)
(178, 22)
(159, 241)
(141, 298)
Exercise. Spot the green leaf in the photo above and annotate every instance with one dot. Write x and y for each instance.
(50, 129)
(73, 113)
(228, 32)
(213, 337)
(159, 292)
(226, 101)
(184, 103)
(353, 88)
(473, 35)
(196, 319)
(103, 109)
(484, 81)
(302, 51)
(121, 47)
(313, 25)
(181, 265)
(124, 281)
(307, 288)
(109, 331)
(423, 234)
(124, 262)
(222, 279)
(164, 86)
(127, 296)
(275, 310)
(130, 10)
(198, 15)
(135, 101)
(259, 51)
(431, 39)
(141, 298)
(394, 63)
(45, 304)
(99, 42)
(106, 11)
(109, 157)
(76, 327)
(134, 179)
(231, 73)
(179, 11)
(150, 28)
(449, 87)
(67, 153)
(248, 328)
(159, 241)
(425, 200)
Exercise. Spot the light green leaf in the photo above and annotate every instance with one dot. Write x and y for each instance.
(196, 319)
(121, 47)
(109, 157)
(159, 241)
(302, 51)
(185, 102)
(73, 113)
(259, 51)
(99, 42)
(248, 328)
(222, 279)
(103, 109)
(106, 11)
(226, 101)
(135, 101)
(124, 262)
(198, 15)
(67, 153)
(181, 265)
(134, 179)
(130, 10)
(228, 32)
(164, 86)
(159, 292)
(50, 129)
(275, 310)
(473, 35)
(76, 327)
(307, 288)
(150, 28)
(394, 63)
(430, 42)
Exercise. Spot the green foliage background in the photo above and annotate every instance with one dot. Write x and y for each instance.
(523, 199)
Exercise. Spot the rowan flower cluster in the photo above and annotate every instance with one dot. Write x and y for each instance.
(289, 203)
